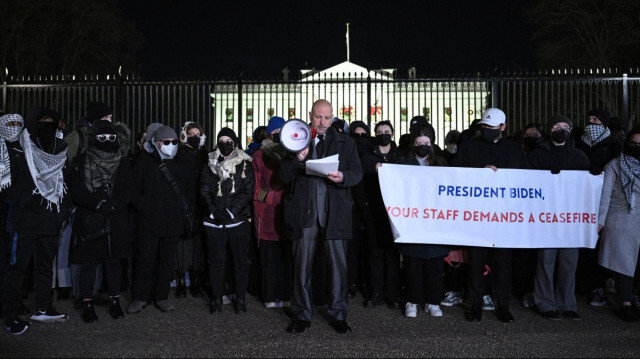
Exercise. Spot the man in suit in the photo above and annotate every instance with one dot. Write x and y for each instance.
(318, 214)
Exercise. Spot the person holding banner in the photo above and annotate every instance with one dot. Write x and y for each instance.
(618, 219)
(317, 215)
(490, 150)
(424, 262)
(557, 153)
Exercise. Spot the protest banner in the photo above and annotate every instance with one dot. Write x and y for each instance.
(508, 208)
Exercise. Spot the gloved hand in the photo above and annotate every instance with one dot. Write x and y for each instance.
(106, 208)
(555, 171)
(594, 172)
(221, 216)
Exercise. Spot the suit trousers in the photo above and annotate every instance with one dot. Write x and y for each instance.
(550, 295)
(501, 269)
(304, 250)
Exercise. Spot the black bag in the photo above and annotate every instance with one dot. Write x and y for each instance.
(93, 227)
(190, 223)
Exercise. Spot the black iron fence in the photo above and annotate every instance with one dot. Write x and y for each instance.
(242, 104)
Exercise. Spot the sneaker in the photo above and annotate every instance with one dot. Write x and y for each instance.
(228, 299)
(570, 314)
(433, 310)
(17, 326)
(410, 310)
(285, 303)
(528, 302)
(551, 315)
(598, 298)
(164, 305)
(635, 301)
(136, 306)
(451, 299)
(487, 303)
(48, 316)
(276, 304)
(610, 286)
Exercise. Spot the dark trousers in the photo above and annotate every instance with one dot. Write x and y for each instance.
(238, 239)
(589, 274)
(304, 250)
(384, 266)
(24, 247)
(275, 260)
(524, 271)
(155, 265)
(625, 284)
(189, 255)
(501, 271)
(358, 256)
(113, 274)
(424, 279)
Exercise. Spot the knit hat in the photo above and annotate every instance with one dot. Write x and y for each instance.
(163, 133)
(493, 117)
(356, 124)
(229, 133)
(96, 111)
(104, 128)
(417, 121)
(557, 119)
(275, 123)
(602, 115)
(340, 125)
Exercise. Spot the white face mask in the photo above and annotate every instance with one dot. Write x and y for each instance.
(169, 150)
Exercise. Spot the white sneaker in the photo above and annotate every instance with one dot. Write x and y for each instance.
(410, 310)
(269, 305)
(227, 299)
(451, 299)
(433, 310)
(487, 303)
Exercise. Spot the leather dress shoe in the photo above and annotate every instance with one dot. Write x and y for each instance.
(298, 326)
(473, 315)
(504, 315)
(341, 326)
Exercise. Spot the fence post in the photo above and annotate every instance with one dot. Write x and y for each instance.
(240, 130)
(368, 99)
(4, 89)
(120, 98)
(625, 101)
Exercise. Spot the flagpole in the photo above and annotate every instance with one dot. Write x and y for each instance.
(347, 41)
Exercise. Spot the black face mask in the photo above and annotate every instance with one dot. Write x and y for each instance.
(632, 151)
(193, 142)
(489, 134)
(421, 151)
(531, 142)
(383, 140)
(225, 148)
(108, 146)
(46, 135)
(559, 136)
(275, 137)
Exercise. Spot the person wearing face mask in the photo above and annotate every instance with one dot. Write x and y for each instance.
(618, 218)
(275, 250)
(532, 136)
(164, 182)
(227, 187)
(357, 251)
(101, 189)
(36, 213)
(601, 147)
(490, 150)
(555, 279)
(190, 255)
(450, 145)
(423, 262)
(384, 259)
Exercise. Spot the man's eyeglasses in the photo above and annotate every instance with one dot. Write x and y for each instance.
(558, 127)
(103, 138)
(167, 142)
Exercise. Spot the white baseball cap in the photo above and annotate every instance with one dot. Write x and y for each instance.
(493, 117)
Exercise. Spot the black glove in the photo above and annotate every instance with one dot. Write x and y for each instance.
(106, 208)
(555, 170)
(594, 172)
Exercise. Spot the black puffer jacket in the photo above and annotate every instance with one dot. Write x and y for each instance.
(548, 156)
(478, 153)
(601, 153)
(228, 201)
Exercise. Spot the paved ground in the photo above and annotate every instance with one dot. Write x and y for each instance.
(190, 331)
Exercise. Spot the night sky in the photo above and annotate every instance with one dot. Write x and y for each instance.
(209, 38)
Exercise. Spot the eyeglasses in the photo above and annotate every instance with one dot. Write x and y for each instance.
(167, 142)
(558, 127)
(103, 138)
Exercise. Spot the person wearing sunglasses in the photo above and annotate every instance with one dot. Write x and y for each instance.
(165, 182)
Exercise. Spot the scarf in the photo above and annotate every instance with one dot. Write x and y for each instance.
(226, 168)
(7, 133)
(629, 170)
(99, 168)
(594, 134)
(46, 170)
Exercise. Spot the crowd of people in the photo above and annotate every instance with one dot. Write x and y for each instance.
(91, 218)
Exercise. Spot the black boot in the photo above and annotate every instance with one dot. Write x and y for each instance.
(240, 305)
(216, 305)
(194, 288)
(181, 285)
(115, 310)
(89, 312)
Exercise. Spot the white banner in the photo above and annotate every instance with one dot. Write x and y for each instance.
(480, 207)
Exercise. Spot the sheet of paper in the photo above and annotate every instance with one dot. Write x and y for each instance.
(323, 166)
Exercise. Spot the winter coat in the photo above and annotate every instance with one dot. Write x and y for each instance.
(298, 211)
(119, 244)
(228, 201)
(548, 156)
(479, 153)
(267, 197)
(619, 239)
(158, 209)
(601, 153)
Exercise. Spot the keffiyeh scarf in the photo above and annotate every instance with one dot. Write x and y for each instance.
(629, 170)
(594, 134)
(227, 168)
(46, 170)
(99, 168)
(7, 133)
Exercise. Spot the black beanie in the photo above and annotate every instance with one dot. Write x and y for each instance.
(602, 115)
(356, 124)
(557, 119)
(97, 110)
(229, 133)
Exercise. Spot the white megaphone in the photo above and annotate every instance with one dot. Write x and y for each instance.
(295, 135)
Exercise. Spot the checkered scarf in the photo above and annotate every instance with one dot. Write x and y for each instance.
(225, 169)
(7, 133)
(99, 168)
(46, 170)
(629, 170)
(594, 134)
